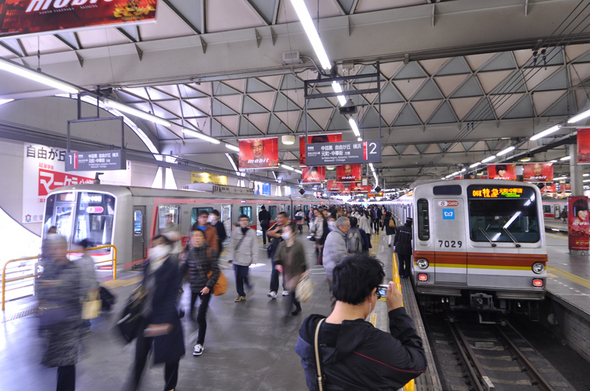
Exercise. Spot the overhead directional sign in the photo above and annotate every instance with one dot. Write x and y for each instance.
(95, 160)
(347, 152)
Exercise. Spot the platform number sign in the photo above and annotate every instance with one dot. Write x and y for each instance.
(448, 214)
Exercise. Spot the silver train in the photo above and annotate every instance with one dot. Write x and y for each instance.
(128, 217)
(476, 243)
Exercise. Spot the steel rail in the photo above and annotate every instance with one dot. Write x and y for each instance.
(467, 355)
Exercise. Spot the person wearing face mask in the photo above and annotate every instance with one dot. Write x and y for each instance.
(218, 225)
(210, 232)
(354, 355)
(290, 260)
(242, 251)
(160, 330)
(335, 249)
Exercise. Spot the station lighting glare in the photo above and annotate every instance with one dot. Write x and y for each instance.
(359, 139)
(488, 159)
(202, 136)
(312, 34)
(586, 180)
(474, 165)
(232, 147)
(547, 132)
(233, 164)
(565, 158)
(355, 128)
(2, 101)
(552, 161)
(585, 174)
(287, 167)
(579, 117)
(561, 178)
(505, 151)
(138, 113)
(525, 159)
(337, 88)
(298, 171)
(37, 76)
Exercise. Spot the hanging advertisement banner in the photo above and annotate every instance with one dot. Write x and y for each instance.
(537, 172)
(348, 172)
(44, 170)
(318, 138)
(334, 185)
(259, 153)
(19, 17)
(205, 177)
(577, 223)
(505, 172)
(584, 146)
(313, 174)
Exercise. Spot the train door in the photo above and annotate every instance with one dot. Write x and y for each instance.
(226, 218)
(138, 246)
(450, 256)
(557, 211)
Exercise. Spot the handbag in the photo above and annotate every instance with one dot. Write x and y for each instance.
(220, 286)
(391, 223)
(131, 318)
(52, 312)
(317, 356)
(304, 290)
(91, 307)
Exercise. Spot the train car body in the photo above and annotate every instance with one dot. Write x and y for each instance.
(552, 207)
(477, 242)
(128, 217)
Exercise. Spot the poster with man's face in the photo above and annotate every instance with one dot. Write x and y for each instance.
(318, 138)
(348, 172)
(313, 174)
(537, 172)
(334, 185)
(259, 152)
(505, 172)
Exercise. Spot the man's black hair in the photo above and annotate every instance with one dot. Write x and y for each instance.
(355, 277)
(501, 167)
(215, 212)
(263, 207)
(243, 217)
(203, 213)
(284, 214)
(195, 229)
(353, 221)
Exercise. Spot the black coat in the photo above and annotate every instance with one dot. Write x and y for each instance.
(264, 219)
(403, 240)
(388, 230)
(170, 347)
(357, 356)
(200, 261)
(221, 234)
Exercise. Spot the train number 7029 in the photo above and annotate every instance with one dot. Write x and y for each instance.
(450, 243)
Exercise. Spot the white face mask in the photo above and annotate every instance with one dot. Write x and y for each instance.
(158, 252)
(286, 235)
(331, 225)
(212, 219)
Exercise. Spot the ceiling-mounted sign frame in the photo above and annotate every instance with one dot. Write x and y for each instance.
(347, 152)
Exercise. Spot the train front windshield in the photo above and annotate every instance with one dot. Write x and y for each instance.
(503, 214)
(81, 215)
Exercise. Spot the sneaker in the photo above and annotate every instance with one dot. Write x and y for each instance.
(286, 293)
(272, 294)
(240, 298)
(198, 350)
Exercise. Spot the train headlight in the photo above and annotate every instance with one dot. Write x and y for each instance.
(538, 267)
(422, 263)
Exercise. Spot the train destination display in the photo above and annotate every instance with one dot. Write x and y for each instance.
(95, 160)
(347, 152)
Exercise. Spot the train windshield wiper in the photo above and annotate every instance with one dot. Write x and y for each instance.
(487, 236)
(511, 237)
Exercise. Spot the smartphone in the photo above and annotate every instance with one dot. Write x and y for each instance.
(382, 289)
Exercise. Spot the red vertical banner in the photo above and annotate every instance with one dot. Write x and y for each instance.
(348, 172)
(505, 172)
(577, 224)
(537, 172)
(584, 146)
(318, 138)
(259, 152)
(313, 174)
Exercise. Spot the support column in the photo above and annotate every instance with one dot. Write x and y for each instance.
(163, 177)
(575, 172)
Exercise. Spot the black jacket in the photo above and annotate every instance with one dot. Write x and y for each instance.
(357, 356)
(264, 219)
(221, 234)
(199, 262)
(403, 240)
(389, 230)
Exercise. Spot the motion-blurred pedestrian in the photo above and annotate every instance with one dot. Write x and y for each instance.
(242, 251)
(290, 260)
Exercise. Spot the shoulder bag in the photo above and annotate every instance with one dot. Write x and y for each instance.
(304, 289)
(220, 286)
(391, 223)
(317, 356)
(131, 318)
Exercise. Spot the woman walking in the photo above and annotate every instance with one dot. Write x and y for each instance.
(290, 260)
(203, 271)
(389, 224)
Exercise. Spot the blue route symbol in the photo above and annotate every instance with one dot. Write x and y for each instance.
(448, 214)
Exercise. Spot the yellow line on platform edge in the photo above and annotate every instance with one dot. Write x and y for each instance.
(569, 276)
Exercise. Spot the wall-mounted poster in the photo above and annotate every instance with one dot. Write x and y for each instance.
(259, 152)
(584, 146)
(348, 172)
(313, 174)
(318, 138)
(505, 172)
(537, 172)
(577, 208)
(334, 185)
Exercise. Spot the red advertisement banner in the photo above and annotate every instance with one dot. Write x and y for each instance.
(348, 172)
(318, 138)
(39, 16)
(259, 152)
(313, 174)
(505, 172)
(577, 223)
(537, 172)
(584, 145)
(50, 180)
(334, 185)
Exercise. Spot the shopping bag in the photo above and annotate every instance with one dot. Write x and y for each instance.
(304, 290)
(220, 286)
(91, 307)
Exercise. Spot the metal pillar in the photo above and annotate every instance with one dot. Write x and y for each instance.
(575, 172)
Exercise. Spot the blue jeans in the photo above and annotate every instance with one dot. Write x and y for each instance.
(241, 273)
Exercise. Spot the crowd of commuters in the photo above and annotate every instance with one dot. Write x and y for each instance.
(342, 243)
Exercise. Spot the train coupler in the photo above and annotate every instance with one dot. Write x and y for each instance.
(482, 301)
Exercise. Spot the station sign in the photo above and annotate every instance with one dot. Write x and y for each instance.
(95, 160)
(346, 152)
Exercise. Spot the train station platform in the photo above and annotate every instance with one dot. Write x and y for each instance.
(249, 345)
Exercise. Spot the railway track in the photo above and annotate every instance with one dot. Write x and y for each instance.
(484, 357)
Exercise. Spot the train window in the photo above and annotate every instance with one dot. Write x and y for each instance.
(94, 218)
(503, 214)
(423, 220)
(137, 223)
(547, 208)
(197, 211)
(58, 212)
(163, 210)
(273, 212)
(447, 190)
(246, 210)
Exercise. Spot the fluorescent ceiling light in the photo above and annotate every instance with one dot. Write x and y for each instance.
(544, 133)
(505, 151)
(359, 139)
(586, 180)
(200, 135)
(474, 165)
(579, 117)
(525, 159)
(2, 101)
(561, 178)
(565, 158)
(311, 32)
(287, 167)
(337, 88)
(232, 147)
(550, 161)
(355, 128)
(136, 112)
(488, 159)
(39, 77)
(227, 155)
(298, 171)
(585, 174)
